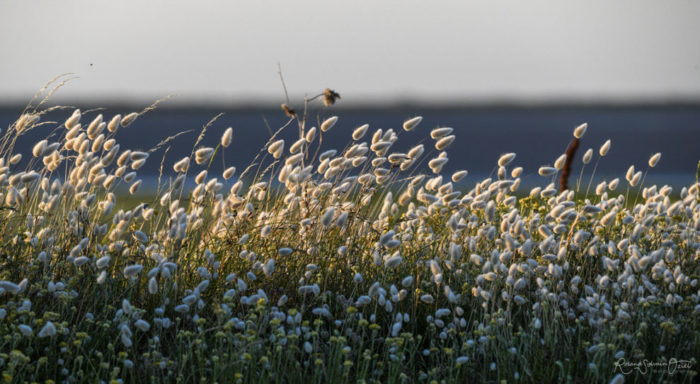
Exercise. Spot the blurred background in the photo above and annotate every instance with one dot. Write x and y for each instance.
(509, 76)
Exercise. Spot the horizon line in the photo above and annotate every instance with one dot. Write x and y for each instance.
(173, 102)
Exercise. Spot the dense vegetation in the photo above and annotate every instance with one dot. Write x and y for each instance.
(332, 266)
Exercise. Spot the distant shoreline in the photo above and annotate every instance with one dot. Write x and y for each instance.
(373, 105)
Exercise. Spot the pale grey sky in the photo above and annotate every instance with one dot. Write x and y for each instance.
(366, 49)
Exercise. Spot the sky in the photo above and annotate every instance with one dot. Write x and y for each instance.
(369, 51)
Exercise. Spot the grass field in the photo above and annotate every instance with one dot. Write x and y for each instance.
(335, 266)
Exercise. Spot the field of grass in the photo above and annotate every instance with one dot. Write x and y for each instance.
(355, 265)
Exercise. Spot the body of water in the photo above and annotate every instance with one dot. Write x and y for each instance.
(537, 135)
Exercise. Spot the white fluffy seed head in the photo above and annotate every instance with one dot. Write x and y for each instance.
(128, 119)
(459, 175)
(142, 325)
(227, 137)
(182, 165)
(135, 187)
(410, 124)
(114, 123)
(152, 286)
(276, 149)
(48, 330)
(635, 179)
(547, 171)
(132, 270)
(444, 142)
(310, 135)
(580, 130)
(559, 163)
(604, 148)
(73, 119)
(229, 172)
(40, 148)
(201, 176)
(393, 261)
(297, 146)
(630, 173)
(203, 155)
(506, 159)
(359, 132)
(654, 159)
(588, 156)
(516, 172)
(329, 123)
(440, 132)
(327, 217)
(136, 164)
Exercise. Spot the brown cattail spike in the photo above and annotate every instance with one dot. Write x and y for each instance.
(570, 152)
